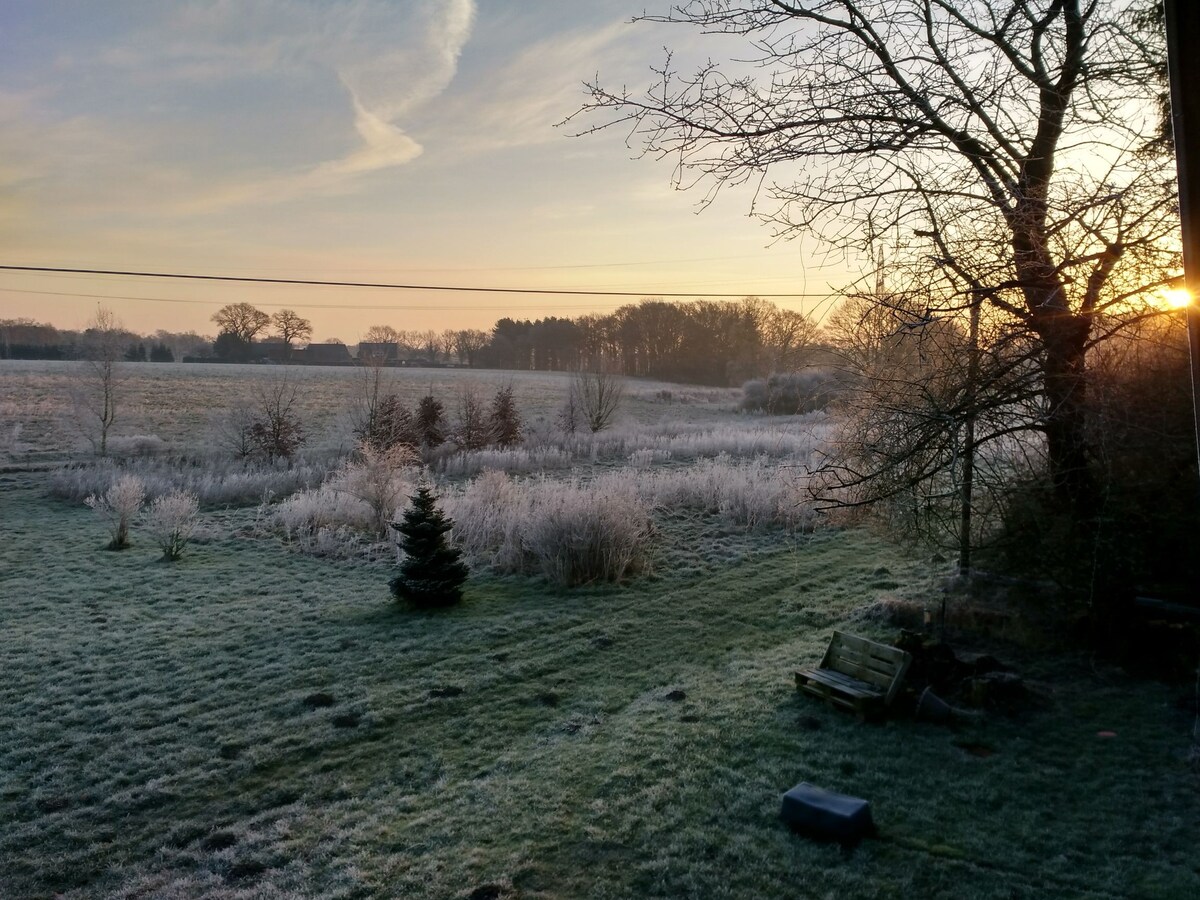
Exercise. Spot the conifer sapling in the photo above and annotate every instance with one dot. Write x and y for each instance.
(432, 573)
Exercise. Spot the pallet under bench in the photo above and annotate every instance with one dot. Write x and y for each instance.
(857, 674)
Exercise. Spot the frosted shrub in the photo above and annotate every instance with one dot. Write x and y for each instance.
(586, 534)
(118, 505)
(754, 494)
(516, 459)
(380, 478)
(136, 445)
(214, 482)
(646, 457)
(302, 516)
(570, 532)
(489, 515)
(171, 520)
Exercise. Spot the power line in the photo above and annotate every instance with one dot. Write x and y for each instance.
(289, 305)
(243, 279)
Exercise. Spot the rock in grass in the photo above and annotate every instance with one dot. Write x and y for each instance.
(825, 815)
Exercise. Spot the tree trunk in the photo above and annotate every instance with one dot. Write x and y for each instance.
(1064, 337)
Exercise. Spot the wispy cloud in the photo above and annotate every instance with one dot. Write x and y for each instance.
(522, 100)
(385, 86)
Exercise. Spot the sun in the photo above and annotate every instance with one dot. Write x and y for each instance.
(1177, 298)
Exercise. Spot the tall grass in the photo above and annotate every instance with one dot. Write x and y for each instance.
(796, 439)
(593, 527)
(214, 482)
(569, 531)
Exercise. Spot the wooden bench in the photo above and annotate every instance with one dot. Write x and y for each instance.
(856, 674)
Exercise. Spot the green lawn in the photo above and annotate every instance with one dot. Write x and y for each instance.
(606, 742)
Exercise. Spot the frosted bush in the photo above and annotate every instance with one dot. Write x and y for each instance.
(380, 478)
(646, 457)
(588, 534)
(795, 439)
(304, 515)
(171, 520)
(215, 482)
(568, 531)
(518, 460)
(489, 515)
(752, 493)
(118, 505)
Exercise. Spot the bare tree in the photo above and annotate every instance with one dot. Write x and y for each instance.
(242, 320)
(381, 334)
(277, 432)
(996, 140)
(97, 395)
(593, 399)
(468, 343)
(291, 327)
(430, 343)
(371, 405)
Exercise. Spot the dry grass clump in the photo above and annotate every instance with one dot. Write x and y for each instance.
(568, 531)
(756, 493)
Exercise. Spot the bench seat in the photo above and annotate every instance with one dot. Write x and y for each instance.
(856, 674)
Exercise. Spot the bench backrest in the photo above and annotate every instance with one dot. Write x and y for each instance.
(876, 664)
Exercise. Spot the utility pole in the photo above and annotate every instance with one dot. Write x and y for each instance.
(1183, 63)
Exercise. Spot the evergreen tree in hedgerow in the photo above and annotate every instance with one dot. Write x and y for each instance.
(432, 573)
(504, 422)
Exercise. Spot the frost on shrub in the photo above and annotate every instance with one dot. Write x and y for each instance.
(171, 520)
(428, 422)
(215, 482)
(789, 393)
(118, 505)
(587, 534)
(379, 479)
(471, 430)
(570, 532)
(136, 445)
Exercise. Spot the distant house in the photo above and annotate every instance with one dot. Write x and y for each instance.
(323, 355)
(385, 353)
(275, 351)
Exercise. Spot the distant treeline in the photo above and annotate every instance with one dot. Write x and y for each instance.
(713, 343)
(721, 343)
(26, 339)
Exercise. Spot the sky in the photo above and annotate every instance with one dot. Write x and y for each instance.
(413, 141)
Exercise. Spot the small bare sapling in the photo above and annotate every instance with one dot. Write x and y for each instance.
(118, 505)
(171, 520)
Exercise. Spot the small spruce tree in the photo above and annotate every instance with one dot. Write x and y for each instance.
(504, 422)
(428, 421)
(432, 573)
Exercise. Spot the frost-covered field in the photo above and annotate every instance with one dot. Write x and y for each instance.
(177, 402)
(258, 719)
(555, 504)
(252, 722)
